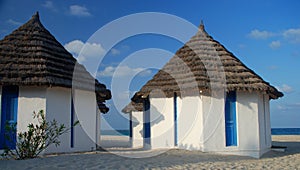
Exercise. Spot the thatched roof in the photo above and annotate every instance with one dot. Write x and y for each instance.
(31, 56)
(200, 65)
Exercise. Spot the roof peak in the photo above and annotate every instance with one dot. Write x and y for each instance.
(36, 17)
(201, 26)
(34, 22)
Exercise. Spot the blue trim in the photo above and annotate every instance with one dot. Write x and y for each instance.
(130, 125)
(230, 119)
(72, 122)
(9, 112)
(175, 120)
(147, 126)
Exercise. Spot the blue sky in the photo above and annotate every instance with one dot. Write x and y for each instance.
(264, 35)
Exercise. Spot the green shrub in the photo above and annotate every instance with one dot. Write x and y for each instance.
(36, 139)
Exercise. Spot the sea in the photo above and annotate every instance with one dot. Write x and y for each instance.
(115, 132)
(274, 131)
(285, 131)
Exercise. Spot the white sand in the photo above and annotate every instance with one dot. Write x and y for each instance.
(172, 159)
(109, 142)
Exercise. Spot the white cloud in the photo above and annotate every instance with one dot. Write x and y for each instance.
(13, 22)
(85, 50)
(78, 10)
(275, 44)
(123, 71)
(281, 107)
(49, 5)
(114, 51)
(256, 34)
(288, 106)
(285, 88)
(293, 35)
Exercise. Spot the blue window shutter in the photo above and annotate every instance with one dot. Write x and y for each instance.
(230, 119)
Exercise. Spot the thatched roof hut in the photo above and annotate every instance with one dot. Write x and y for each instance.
(31, 56)
(191, 64)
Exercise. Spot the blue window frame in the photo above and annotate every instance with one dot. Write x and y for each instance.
(230, 119)
(72, 122)
(175, 120)
(9, 111)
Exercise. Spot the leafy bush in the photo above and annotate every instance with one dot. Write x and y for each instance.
(36, 139)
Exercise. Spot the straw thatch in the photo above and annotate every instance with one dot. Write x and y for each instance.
(31, 56)
(202, 64)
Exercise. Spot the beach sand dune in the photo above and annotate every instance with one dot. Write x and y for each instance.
(171, 159)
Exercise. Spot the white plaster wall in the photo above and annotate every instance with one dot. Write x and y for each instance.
(261, 121)
(213, 124)
(58, 107)
(264, 123)
(86, 112)
(31, 99)
(248, 128)
(98, 127)
(247, 125)
(268, 122)
(137, 129)
(190, 122)
(162, 122)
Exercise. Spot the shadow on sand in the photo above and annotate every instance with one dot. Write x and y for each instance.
(291, 149)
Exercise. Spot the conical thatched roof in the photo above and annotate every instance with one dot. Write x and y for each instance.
(31, 56)
(200, 65)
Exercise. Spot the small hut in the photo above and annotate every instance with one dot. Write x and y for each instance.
(37, 73)
(204, 99)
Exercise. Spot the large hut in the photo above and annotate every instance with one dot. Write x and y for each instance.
(38, 73)
(204, 99)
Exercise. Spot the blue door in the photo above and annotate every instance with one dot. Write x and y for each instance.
(147, 125)
(230, 119)
(9, 109)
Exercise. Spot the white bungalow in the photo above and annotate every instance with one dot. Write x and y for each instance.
(203, 99)
(36, 73)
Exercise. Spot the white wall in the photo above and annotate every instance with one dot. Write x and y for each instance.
(213, 124)
(86, 110)
(162, 122)
(268, 122)
(137, 129)
(31, 99)
(58, 107)
(247, 125)
(190, 123)
(264, 123)
(98, 127)
(201, 124)
(56, 103)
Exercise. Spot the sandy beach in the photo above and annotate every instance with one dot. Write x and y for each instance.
(171, 159)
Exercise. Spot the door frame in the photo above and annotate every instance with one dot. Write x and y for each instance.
(9, 96)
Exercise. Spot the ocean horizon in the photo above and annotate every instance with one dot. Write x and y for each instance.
(274, 131)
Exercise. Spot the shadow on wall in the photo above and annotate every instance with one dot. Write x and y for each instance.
(134, 121)
(247, 103)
